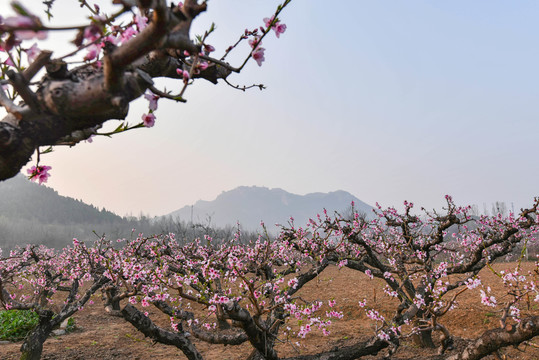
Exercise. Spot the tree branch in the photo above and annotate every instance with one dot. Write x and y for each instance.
(149, 329)
(493, 340)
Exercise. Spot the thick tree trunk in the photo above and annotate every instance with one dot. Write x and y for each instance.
(259, 339)
(424, 339)
(112, 301)
(32, 347)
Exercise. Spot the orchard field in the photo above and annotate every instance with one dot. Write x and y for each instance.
(397, 284)
(101, 336)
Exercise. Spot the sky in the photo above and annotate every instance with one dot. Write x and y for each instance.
(388, 100)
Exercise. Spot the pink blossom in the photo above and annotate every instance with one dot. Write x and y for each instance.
(277, 26)
(32, 52)
(203, 65)
(279, 29)
(268, 21)
(293, 283)
(304, 330)
(368, 272)
(141, 21)
(335, 314)
(30, 34)
(209, 48)
(183, 73)
(473, 283)
(152, 98)
(24, 22)
(487, 300)
(383, 336)
(92, 33)
(19, 22)
(375, 315)
(128, 34)
(39, 173)
(112, 39)
(515, 313)
(258, 55)
(93, 52)
(254, 42)
(8, 62)
(174, 325)
(148, 119)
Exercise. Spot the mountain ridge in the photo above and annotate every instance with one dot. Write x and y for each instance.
(24, 199)
(32, 213)
(250, 205)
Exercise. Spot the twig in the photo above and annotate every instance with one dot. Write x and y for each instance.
(220, 62)
(156, 91)
(279, 9)
(9, 105)
(19, 83)
(41, 60)
(243, 88)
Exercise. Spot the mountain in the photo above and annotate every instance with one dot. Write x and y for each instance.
(36, 214)
(251, 205)
(32, 213)
(21, 198)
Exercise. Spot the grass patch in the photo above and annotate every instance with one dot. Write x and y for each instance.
(16, 324)
(70, 325)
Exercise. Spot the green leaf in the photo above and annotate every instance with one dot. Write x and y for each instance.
(19, 9)
(16, 324)
(47, 150)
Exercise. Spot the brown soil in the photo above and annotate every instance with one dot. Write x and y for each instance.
(101, 336)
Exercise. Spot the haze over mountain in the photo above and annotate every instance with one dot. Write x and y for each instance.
(32, 213)
(36, 214)
(249, 205)
(21, 198)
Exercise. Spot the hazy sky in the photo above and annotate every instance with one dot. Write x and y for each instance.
(389, 100)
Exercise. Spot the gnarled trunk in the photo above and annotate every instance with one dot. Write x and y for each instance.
(492, 340)
(32, 347)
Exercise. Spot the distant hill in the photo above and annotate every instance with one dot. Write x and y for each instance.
(21, 198)
(251, 205)
(36, 214)
(32, 213)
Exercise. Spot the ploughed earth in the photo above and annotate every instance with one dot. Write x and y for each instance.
(102, 336)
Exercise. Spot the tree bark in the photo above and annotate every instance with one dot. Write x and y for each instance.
(70, 104)
(364, 348)
(260, 339)
(149, 329)
(493, 340)
(32, 346)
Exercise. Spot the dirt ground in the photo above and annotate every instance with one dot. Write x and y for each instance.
(104, 337)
